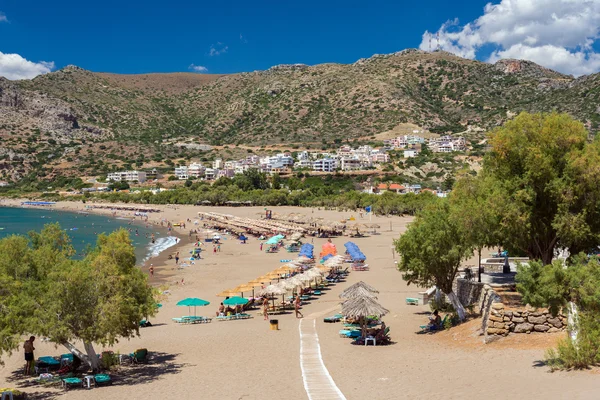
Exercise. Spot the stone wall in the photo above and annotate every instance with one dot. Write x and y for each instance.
(501, 321)
(468, 292)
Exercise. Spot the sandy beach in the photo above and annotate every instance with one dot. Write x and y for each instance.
(246, 360)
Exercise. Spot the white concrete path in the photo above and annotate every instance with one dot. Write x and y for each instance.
(319, 385)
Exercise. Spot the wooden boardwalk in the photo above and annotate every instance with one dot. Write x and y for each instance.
(319, 385)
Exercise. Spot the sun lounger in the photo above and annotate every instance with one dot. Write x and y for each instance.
(433, 328)
(102, 379)
(346, 333)
(234, 317)
(139, 356)
(411, 301)
(191, 319)
(71, 382)
(333, 318)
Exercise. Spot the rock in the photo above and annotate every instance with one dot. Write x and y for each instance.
(508, 314)
(496, 331)
(499, 325)
(498, 306)
(541, 328)
(556, 322)
(524, 327)
(518, 320)
(537, 314)
(496, 318)
(553, 330)
(538, 320)
(516, 314)
(506, 319)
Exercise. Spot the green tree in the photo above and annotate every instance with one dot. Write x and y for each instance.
(472, 211)
(95, 300)
(548, 179)
(432, 249)
(276, 181)
(575, 288)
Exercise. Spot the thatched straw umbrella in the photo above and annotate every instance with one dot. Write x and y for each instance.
(228, 293)
(357, 291)
(272, 290)
(360, 284)
(362, 307)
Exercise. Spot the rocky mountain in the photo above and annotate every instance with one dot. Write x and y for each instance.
(57, 120)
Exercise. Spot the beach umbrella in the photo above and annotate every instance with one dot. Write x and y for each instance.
(362, 307)
(273, 240)
(357, 291)
(193, 302)
(353, 290)
(235, 301)
(227, 293)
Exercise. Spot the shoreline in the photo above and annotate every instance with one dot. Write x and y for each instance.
(158, 260)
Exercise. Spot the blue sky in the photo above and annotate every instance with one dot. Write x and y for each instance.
(132, 36)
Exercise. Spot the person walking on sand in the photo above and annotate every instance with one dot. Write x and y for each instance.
(214, 249)
(176, 258)
(28, 349)
(219, 247)
(266, 308)
(151, 269)
(297, 307)
(261, 246)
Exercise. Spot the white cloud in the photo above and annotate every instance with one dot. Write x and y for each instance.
(3, 17)
(13, 66)
(217, 49)
(197, 68)
(243, 39)
(557, 34)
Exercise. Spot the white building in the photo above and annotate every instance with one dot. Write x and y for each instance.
(325, 165)
(410, 153)
(350, 164)
(181, 172)
(217, 164)
(196, 170)
(210, 174)
(127, 176)
(379, 158)
(447, 144)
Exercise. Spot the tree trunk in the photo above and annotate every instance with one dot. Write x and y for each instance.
(438, 296)
(94, 360)
(479, 265)
(460, 310)
(572, 322)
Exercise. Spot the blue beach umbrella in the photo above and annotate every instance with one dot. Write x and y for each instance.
(235, 301)
(193, 302)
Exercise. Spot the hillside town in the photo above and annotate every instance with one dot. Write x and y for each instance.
(345, 158)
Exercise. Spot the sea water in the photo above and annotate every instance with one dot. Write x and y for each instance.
(83, 229)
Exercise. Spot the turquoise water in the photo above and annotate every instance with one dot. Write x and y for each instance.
(82, 228)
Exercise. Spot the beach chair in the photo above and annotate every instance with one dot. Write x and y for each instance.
(349, 333)
(433, 328)
(46, 364)
(333, 318)
(102, 379)
(411, 301)
(71, 382)
(139, 356)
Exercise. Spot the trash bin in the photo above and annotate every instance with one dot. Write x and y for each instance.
(274, 324)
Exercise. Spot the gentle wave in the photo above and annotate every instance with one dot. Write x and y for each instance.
(160, 245)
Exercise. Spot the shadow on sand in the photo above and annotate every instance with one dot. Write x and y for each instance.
(159, 364)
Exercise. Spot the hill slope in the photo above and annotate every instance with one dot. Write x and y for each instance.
(60, 116)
